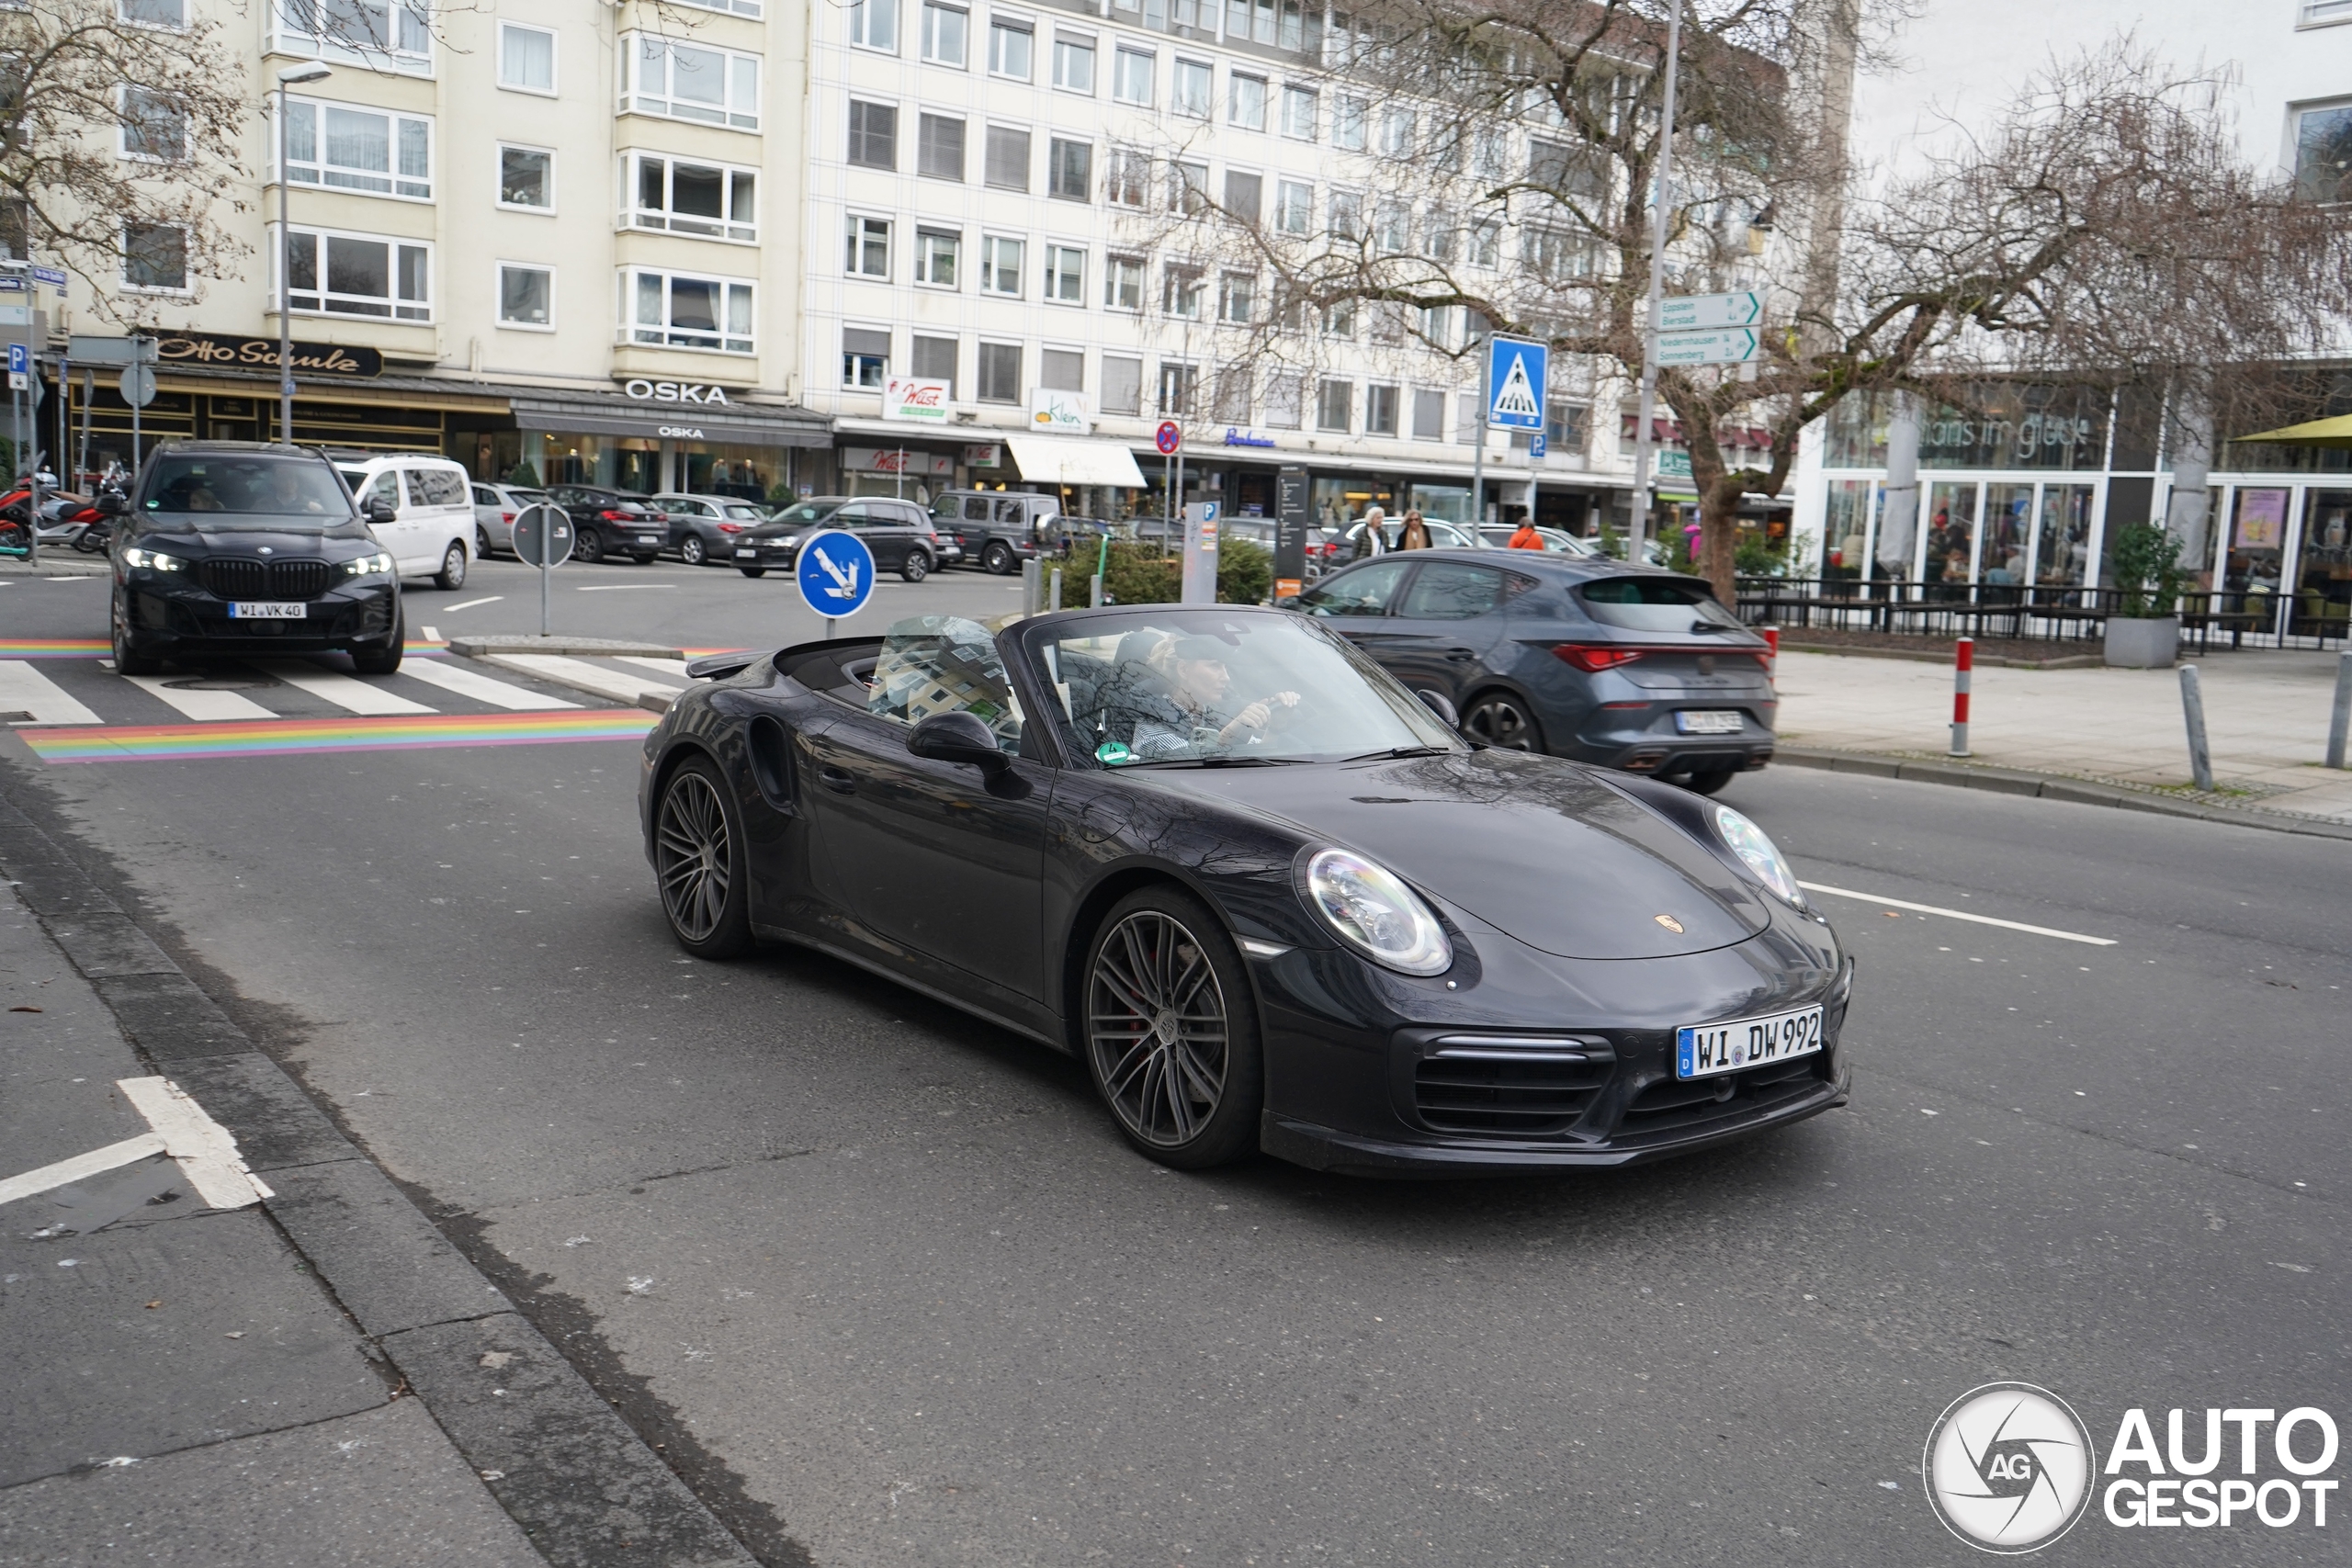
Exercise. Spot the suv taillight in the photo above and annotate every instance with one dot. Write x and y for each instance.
(1595, 657)
(609, 515)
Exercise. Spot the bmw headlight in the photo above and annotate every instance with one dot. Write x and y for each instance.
(366, 566)
(151, 560)
(1759, 853)
(1375, 913)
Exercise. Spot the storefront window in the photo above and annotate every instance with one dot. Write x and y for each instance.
(2062, 551)
(2004, 425)
(2323, 585)
(2257, 544)
(1949, 540)
(2009, 529)
(1846, 552)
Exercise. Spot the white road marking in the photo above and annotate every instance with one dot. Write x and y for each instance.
(344, 691)
(472, 605)
(482, 688)
(205, 708)
(81, 1168)
(659, 666)
(24, 689)
(618, 684)
(204, 1148)
(432, 634)
(621, 587)
(1957, 914)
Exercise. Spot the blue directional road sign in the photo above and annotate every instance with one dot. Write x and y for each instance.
(1515, 376)
(836, 573)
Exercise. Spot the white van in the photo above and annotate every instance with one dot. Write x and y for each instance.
(432, 531)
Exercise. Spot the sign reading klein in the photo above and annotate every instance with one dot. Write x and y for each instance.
(909, 397)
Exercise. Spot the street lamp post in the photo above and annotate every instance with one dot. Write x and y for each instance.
(315, 71)
(1639, 532)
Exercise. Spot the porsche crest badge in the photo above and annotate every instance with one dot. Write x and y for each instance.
(1670, 922)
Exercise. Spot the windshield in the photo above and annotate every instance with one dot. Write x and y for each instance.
(745, 514)
(1170, 685)
(806, 512)
(245, 492)
(1654, 605)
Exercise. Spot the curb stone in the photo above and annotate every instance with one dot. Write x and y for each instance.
(2053, 787)
(410, 1289)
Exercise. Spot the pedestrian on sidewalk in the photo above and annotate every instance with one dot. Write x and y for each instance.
(1527, 539)
(1416, 534)
(1373, 540)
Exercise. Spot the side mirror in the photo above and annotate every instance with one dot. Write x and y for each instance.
(1438, 704)
(957, 738)
(382, 511)
(109, 505)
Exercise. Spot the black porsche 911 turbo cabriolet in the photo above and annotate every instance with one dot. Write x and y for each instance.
(1266, 894)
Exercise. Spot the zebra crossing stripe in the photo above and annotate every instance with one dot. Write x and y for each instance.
(33, 698)
(290, 737)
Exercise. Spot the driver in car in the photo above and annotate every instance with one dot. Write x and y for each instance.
(1189, 716)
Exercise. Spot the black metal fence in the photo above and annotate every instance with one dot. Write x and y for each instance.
(2017, 612)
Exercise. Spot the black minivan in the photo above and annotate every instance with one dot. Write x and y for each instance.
(238, 547)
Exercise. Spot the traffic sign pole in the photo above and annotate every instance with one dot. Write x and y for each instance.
(1478, 447)
(1647, 410)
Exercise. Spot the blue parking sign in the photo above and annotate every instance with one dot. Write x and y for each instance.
(836, 573)
(20, 359)
(1515, 377)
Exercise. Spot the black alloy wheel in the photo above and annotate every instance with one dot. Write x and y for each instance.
(699, 857)
(692, 551)
(129, 657)
(1500, 719)
(1171, 1034)
(481, 541)
(998, 558)
(753, 570)
(452, 575)
(1707, 781)
(587, 545)
(917, 567)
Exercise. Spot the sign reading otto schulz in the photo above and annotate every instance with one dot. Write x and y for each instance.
(222, 352)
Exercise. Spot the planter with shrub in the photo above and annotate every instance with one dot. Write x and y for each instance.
(1142, 574)
(2143, 631)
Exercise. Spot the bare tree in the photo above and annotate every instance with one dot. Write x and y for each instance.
(2103, 229)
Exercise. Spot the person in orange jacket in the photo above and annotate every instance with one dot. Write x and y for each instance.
(1526, 539)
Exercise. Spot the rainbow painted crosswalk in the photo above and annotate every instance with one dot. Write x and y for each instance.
(55, 648)
(285, 737)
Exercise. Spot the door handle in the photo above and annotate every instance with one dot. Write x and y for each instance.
(838, 780)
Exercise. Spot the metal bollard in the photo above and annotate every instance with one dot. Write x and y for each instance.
(1094, 591)
(1054, 593)
(2192, 707)
(1032, 586)
(2339, 719)
(1962, 662)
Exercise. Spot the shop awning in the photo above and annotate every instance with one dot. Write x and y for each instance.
(743, 423)
(2337, 432)
(1052, 460)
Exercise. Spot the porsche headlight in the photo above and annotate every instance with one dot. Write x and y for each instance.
(1374, 912)
(151, 560)
(1759, 853)
(368, 565)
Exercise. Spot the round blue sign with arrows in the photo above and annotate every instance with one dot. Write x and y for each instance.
(836, 573)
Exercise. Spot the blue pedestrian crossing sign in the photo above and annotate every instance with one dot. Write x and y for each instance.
(836, 573)
(1515, 377)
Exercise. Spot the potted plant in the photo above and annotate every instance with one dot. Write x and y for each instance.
(2144, 629)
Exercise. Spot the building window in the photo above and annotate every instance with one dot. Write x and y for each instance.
(527, 178)
(1437, 236)
(1244, 102)
(1335, 405)
(868, 253)
(1175, 388)
(866, 357)
(1468, 419)
(1122, 385)
(681, 311)
(1565, 427)
(155, 127)
(2320, 12)
(2323, 152)
(873, 135)
(1556, 256)
(1243, 194)
(1008, 158)
(1236, 297)
(873, 23)
(1180, 292)
(934, 360)
(944, 28)
(740, 8)
(1129, 178)
(171, 13)
(681, 81)
(1189, 92)
(1380, 402)
(1286, 397)
(526, 297)
(1229, 402)
(526, 58)
(999, 372)
(939, 253)
(1074, 65)
(716, 201)
(1065, 275)
(1122, 283)
(1347, 123)
(1340, 321)
(1489, 154)
(1392, 235)
(1062, 371)
(365, 275)
(1188, 188)
(154, 258)
(1298, 113)
(1131, 74)
(1000, 266)
(1010, 46)
(367, 32)
(1294, 208)
(1344, 219)
(1435, 326)
(939, 147)
(1429, 416)
(1070, 170)
(1396, 133)
(1487, 243)
(358, 150)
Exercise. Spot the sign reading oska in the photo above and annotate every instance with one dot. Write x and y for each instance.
(673, 392)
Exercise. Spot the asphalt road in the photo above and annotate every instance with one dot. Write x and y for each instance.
(887, 1279)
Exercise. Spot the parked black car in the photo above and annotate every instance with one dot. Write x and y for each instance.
(1268, 899)
(615, 522)
(1576, 656)
(899, 533)
(235, 547)
(997, 530)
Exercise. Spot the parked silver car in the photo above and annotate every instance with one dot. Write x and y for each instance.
(712, 522)
(494, 510)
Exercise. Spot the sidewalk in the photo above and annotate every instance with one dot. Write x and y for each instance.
(2266, 717)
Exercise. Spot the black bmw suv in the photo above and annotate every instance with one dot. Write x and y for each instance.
(235, 547)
